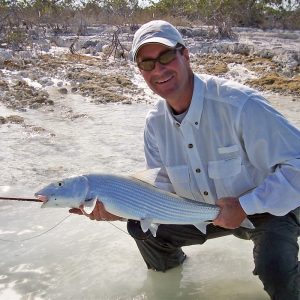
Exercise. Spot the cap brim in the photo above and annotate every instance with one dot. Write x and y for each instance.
(154, 40)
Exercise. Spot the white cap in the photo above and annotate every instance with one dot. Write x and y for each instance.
(156, 31)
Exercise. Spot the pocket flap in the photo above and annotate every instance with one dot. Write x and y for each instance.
(227, 150)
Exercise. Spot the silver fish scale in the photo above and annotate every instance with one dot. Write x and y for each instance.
(138, 200)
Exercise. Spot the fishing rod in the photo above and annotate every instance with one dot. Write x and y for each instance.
(21, 199)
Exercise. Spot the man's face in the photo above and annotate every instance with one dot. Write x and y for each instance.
(171, 80)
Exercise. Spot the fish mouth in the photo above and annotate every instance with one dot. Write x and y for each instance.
(41, 198)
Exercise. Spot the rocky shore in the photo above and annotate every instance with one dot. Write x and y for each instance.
(98, 66)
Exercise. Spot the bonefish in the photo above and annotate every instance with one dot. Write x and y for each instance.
(130, 198)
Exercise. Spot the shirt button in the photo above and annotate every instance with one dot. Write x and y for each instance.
(190, 145)
(177, 124)
(205, 193)
(198, 170)
(196, 123)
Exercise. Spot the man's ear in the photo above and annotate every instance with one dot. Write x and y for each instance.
(186, 54)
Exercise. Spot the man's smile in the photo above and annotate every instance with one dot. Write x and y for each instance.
(164, 80)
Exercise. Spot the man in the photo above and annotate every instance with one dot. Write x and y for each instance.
(218, 142)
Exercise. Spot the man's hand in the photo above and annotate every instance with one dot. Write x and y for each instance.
(99, 213)
(231, 214)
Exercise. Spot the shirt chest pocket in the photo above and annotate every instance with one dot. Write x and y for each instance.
(224, 174)
(224, 168)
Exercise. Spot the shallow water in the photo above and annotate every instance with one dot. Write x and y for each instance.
(83, 259)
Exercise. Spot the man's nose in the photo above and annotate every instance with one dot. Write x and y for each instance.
(158, 67)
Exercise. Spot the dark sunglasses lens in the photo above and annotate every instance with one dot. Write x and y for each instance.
(164, 59)
(167, 57)
(147, 65)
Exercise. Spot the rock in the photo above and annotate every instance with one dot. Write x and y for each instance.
(21, 96)
(44, 45)
(25, 54)
(287, 59)
(264, 53)
(89, 44)
(200, 32)
(33, 34)
(63, 91)
(287, 72)
(3, 85)
(106, 49)
(98, 47)
(60, 41)
(188, 32)
(2, 120)
(45, 81)
(49, 102)
(38, 129)
(15, 119)
(127, 102)
(78, 116)
(6, 54)
(241, 48)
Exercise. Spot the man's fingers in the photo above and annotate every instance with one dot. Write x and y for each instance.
(76, 211)
(218, 221)
(99, 213)
(231, 213)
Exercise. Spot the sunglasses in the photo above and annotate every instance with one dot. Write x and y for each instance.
(164, 59)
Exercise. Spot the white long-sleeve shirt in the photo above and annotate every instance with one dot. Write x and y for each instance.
(231, 143)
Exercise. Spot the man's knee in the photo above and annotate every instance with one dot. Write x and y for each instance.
(272, 270)
(164, 251)
(276, 264)
(159, 255)
(280, 279)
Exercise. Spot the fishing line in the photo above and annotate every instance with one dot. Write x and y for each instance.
(118, 227)
(53, 227)
(38, 235)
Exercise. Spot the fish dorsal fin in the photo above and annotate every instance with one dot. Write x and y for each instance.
(149, 176)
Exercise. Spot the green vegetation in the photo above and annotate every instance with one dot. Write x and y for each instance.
(62, 15)
(21, 21)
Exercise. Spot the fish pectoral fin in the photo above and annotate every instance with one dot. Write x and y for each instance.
(146, 224)
(89, 205)
(202, 226)
(247, 224)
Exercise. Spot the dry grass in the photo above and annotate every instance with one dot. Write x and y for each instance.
(269, 78)
(276, 83)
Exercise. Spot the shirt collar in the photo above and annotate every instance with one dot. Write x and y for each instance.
(195, 110)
